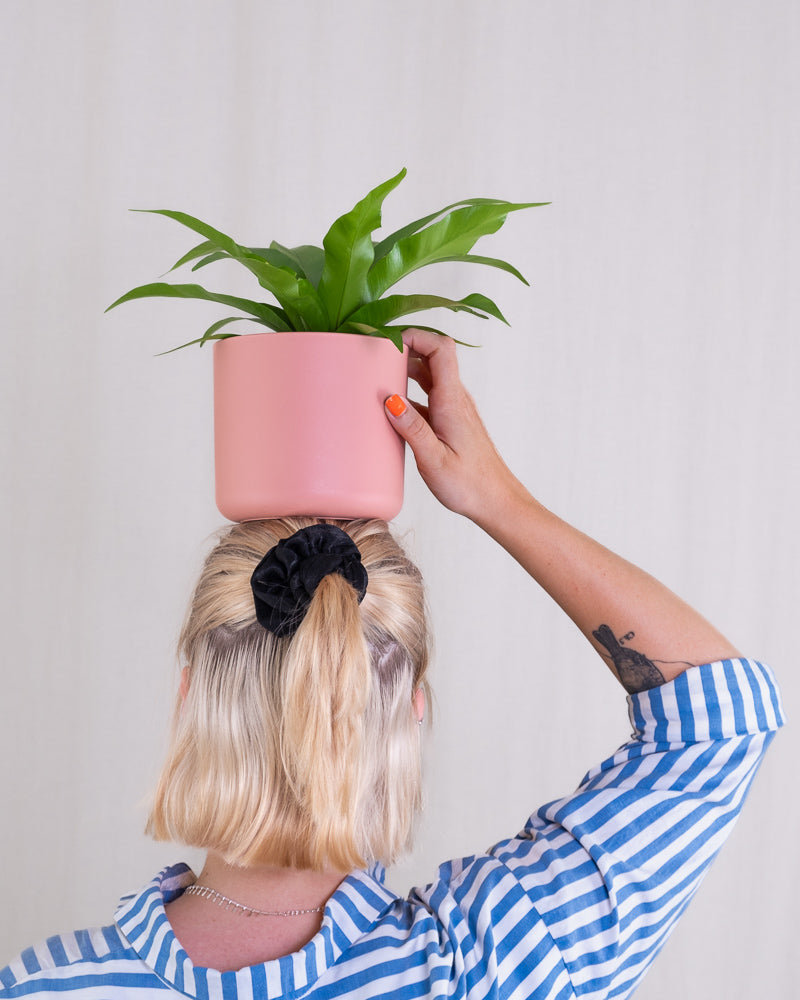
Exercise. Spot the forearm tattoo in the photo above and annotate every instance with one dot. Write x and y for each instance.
(634, 670)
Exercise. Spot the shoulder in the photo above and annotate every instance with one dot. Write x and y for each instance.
(97, 957)
(598, 875)
(99, 953)
(472, 929)
(488, 927)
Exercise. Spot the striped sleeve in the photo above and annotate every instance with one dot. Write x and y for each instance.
(610, 868)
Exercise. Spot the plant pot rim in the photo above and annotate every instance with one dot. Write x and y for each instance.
(304, 333)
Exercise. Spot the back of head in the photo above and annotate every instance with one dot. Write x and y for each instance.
(300, 750)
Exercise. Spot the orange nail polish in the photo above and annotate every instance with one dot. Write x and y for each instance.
(396, 405)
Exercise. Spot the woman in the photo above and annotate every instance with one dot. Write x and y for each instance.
(295, 763)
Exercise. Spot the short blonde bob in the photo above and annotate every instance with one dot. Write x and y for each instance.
(301, 751)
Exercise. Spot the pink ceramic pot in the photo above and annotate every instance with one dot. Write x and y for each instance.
(299, 425)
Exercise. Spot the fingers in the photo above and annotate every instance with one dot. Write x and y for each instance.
(452, 449)
(419, 372)
(432, 358)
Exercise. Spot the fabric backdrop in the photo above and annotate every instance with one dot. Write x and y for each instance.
(646, 389)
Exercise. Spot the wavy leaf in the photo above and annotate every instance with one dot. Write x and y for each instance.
(275, 319)
(276, 255)
(452, 236)
(503, 265)
(211, 332)
(202, 249)
(210, 258)
(441, 333)
(386, 244)
(349, 253)
(296, 295)
(209, 251)
(394, 306)
(307, 260)
(393, 333)
(200, 341)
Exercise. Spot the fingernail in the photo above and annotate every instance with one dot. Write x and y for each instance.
(396, 405)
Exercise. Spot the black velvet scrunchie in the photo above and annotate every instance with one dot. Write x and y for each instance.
(285, 580)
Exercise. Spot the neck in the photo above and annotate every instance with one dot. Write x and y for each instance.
(220, 939)
(269, 887)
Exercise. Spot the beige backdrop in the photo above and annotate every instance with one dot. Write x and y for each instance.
(647, 389)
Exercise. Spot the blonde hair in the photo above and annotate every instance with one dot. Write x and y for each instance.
(301, 751)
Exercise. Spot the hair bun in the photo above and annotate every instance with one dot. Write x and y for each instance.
(285, 580)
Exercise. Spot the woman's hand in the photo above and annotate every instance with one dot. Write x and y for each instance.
(453, 451)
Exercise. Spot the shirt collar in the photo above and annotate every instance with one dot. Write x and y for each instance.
(351, 912)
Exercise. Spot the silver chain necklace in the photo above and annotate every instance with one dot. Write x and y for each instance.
(206, 892)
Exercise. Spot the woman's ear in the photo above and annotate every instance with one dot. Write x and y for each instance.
(184, 689)
(419, 704)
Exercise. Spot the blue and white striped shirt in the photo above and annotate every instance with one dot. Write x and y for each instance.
(578, 904)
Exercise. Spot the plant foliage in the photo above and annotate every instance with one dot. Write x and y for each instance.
(342, 285)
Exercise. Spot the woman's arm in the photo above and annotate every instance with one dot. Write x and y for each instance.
(643, 631)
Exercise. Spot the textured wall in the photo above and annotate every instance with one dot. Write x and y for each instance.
(647, 389)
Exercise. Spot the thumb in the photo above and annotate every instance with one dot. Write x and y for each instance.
(414, 429)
